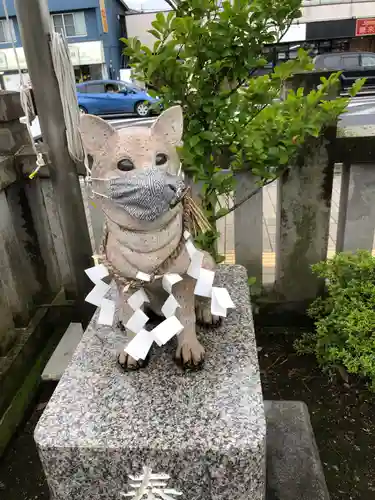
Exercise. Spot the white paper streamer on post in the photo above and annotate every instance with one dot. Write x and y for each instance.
(166, 330)
(107, 312)
(196, 260)
(190, 248)
(169, 280)
(140, 345)
(221, 301)
(97, 273)
(143, 276)
(203, 287)
(137, 300)
(170, 306)
(96, 296)
(137, 321)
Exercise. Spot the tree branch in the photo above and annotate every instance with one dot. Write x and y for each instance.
(171, 4)
(285, 32)
(241, 202)
(250, 195)
(241, 82)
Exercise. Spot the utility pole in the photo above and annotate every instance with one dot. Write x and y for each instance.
(35, 28)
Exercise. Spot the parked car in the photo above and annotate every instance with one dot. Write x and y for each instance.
(353, 65)
(111, 97)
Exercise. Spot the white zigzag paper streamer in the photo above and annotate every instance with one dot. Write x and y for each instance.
(140, 345)
(97, 294)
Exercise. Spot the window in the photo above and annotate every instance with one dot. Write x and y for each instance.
(95, 88)
(111, 88)
(72, 24)
(332, 62)
(122, 87)
(82, 89)
(368, 61)
(350, 62)
(7, 34)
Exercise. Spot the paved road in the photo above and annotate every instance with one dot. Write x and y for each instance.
(117, 123)
(361, 111)
(130, 122)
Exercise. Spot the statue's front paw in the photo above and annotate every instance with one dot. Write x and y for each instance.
(190, 354)
(128, 363)
(203, 313)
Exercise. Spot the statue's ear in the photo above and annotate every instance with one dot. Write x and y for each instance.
(169, 125)
(95, 133)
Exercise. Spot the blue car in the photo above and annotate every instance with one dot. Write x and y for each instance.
(112, 97)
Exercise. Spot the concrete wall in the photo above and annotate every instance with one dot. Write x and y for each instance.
(92, 28)
(338, 10)
(137, 25)
(56, 6)
(313, 10)
(111, 44)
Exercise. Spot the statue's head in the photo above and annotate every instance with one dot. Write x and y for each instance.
(134, 169)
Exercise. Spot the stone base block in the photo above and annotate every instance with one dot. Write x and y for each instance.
(294, 470)
(205, 429)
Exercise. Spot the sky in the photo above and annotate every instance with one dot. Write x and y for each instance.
(147, 5)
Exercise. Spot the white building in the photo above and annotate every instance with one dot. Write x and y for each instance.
(325, 26)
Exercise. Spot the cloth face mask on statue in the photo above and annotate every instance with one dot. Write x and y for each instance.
(145, 194)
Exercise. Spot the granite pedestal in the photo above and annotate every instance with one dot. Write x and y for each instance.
(205, 429)
(294, 470)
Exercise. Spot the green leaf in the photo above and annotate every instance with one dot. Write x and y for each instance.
(158, 27)
(160, 19)
(155, 33)
(207, 134)
(156, 46)
(193, 141)
(152, 93)
(357, 86)
(152, 66)
(170, 16)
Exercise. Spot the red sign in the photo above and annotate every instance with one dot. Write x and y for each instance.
(365, 27)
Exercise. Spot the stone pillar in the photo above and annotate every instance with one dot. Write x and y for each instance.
(304, 202)
(13, 134)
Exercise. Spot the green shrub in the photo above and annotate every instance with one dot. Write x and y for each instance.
(345, 318)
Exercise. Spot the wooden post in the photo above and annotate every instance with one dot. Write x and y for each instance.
(343, 206)
(357, 217)
(248, 227)
(35, 24)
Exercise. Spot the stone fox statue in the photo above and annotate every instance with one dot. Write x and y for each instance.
(135, 181)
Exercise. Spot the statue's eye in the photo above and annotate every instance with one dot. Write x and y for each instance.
(125, 165)
(161, 159)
